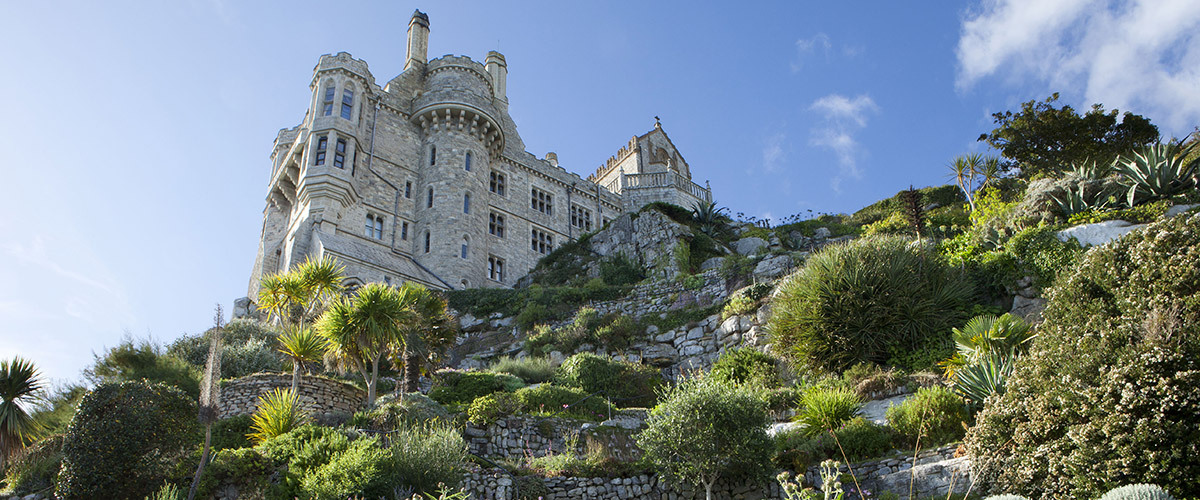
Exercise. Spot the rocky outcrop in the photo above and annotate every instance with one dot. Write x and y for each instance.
(648, 237)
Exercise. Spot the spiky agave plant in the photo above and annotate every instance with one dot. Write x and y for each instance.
(708, 216)
(1157, 171)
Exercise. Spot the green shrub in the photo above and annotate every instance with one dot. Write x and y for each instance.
(1148, 212)
(746, 365)
(1138, 492)
(363, 469)
(230, 433)
(452, 387)
(124, 439)
(860, 438)
(248, 346)
(427, 457)
(390, 414)
(1107, 392)
(935, 415)
(1042, 255)
(619, 333)
(487, 409)
(305, 448)
(738, 304)
(553, 399)
(869, 379)
(865, 301)
(781, 399)
(533, 314)
(626, 384)
(822, 409)
(245, 468)
(144, 360)
(33, 468)
(620, 270)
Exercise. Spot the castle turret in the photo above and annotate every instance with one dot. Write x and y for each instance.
(498, 68)
(418, 40)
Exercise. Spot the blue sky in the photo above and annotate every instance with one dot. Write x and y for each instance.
(137, 133)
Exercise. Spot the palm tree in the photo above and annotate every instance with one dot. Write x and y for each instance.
(20, 386)
(301, 344)
(426, 336)
(359, 332)
(295, 298)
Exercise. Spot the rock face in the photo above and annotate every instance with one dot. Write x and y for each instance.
(773, 267)
(1098, 233)
(648, 237)
(749, 246)
(1029, 308)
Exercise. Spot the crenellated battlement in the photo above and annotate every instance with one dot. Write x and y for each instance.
(346, 62)
(614, 160)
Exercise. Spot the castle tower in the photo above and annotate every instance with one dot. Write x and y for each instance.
(418, 40)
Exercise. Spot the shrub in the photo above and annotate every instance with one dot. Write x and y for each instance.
(627, 384)
(1137, 492)
(33, 468)
(822, 409)
(1042, 255)
(143, 360)
(869, 379)
(860, 438)
(390, 414)
(452, 387)
(246, 468)
(364, 468)
(1107, 392)
(865, 300)
(1148, 212)
(278, 413)
(746, 365)
(123, 439)
(305, 448)
(619, 333)
(620, 270)
(704, 430)
(532, 314)
(572, 401)
(487, 409)
(230, 433)
(935, 415)
(426, 457)
(248, 347)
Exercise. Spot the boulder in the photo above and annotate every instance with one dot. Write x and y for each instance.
(773, 267)
(713, 263)
(1028, 308)
(1098, 233)
(1178, 209)
(749, 246)
(821, 233)
(660, 355)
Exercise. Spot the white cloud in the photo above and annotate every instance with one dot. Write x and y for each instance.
(772, 153)
(1136, 55)
(807, 46)
(844, 116)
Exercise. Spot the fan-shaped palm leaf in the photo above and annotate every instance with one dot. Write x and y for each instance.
(20, 386)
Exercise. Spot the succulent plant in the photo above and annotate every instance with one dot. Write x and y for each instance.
(1157, 171)
(1137, 492)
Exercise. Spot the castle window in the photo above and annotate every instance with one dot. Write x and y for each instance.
(465, 244)
(322, 145)
(429, 199)
(433, 155)
(374, 226)
(497, 184)
(467, 203)
(495, 268)
(327, 107)
(339, 154)
(467, 163)
(347, 103)
(408, 189)
(542, 242)
(404, 231)
(426, 241)
(542, 201)
(581, 218)
(496, 225)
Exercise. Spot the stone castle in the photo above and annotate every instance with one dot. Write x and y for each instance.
(426, 179)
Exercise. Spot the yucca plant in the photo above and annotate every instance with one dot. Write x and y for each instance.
(301, 344)
(278, 413)
(1157, 171)
(708, 216)
(978, 380)
(1006, 335)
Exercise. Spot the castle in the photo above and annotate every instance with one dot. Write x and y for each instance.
(425, 179)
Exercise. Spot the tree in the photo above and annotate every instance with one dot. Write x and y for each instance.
(428, 333)
(301, 345)
(293, 300)
(361, 331)
(705, 429)
(1041, 138)
(20, 386)
(973, 172)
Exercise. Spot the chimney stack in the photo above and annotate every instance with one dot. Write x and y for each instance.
(418, 40)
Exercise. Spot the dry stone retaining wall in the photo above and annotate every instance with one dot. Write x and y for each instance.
(317, 395)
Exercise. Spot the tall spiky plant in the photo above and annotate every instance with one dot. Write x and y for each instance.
(302, 345)
(20, 386)
(913, 211)
(1157, 171)
(708, 216)
(210, 393)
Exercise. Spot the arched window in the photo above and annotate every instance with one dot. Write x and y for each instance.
(467, 163)
(426, 241)
(347, 103)
(433, 155)
(466, 243)
(327, 102)
(467, 203)
(429, 200)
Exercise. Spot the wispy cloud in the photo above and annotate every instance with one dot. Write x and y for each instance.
(1140, 55)
(843, 117)
(806, 47)
(773, 153)
(86, 295)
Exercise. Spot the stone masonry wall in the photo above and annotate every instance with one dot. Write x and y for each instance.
(317, 395)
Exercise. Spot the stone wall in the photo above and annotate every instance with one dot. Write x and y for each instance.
(533, 436)
(660, 296)
(318, 395)
(935, 470)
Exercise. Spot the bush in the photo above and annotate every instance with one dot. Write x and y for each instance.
(143, 360)
(1107, 393)
(620, 270)
(823, 409)
(245, 468)
(33, 468)
(305, 448)
(1138, 492)
(123, 440)
(363, 469)
(428, 456)
(455, 387)
(390, 414)
(746, 365)
(935, 416)
(569, 400)
(248, 347)
(278, 413)
(1042, 255)
(230, 433)
(487, 409)
(627, 384)
(865, 301)
(860, 438)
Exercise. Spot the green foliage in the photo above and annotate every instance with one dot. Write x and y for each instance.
(613, 331)
(487, 409)
(572, 401)
(977, 381)
(937, 195)
(230, 433)
(704, 430)
(1137, 492)
(1157, 171)
(781, 399)
(682, 255)
(869, 379)
(20, 386)
(860, 438)
(987, 349)
(1042, 254)
(362, 469)
(391, 414)
(826, 408)
(565, 264)
(746, 300)
(33, 468)
(305, 448)
(278, 413)
(1146, 212)
(620, 270)
(427, 457)
(168, 491)
(935, 416)
(1006, 497)
(1106, 393)
(245, 468)
(455, 387)
(746, 365)
(532, 314)
(923, 357)
(537, 303)
(532, 369)
(1040, 138)
(123, 438)
(679, 317)
(247, 347)
(672, 211)
(626, 384)
(865, 300)
(144, 360)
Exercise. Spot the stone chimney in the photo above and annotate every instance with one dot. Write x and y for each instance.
(418, 40)
(498, 68)
(552, 157)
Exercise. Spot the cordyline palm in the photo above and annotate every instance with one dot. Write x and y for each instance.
(973, 172)
(294, 298)
(359, 332)
(429, 332)
(19, 387)
(301, 344)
